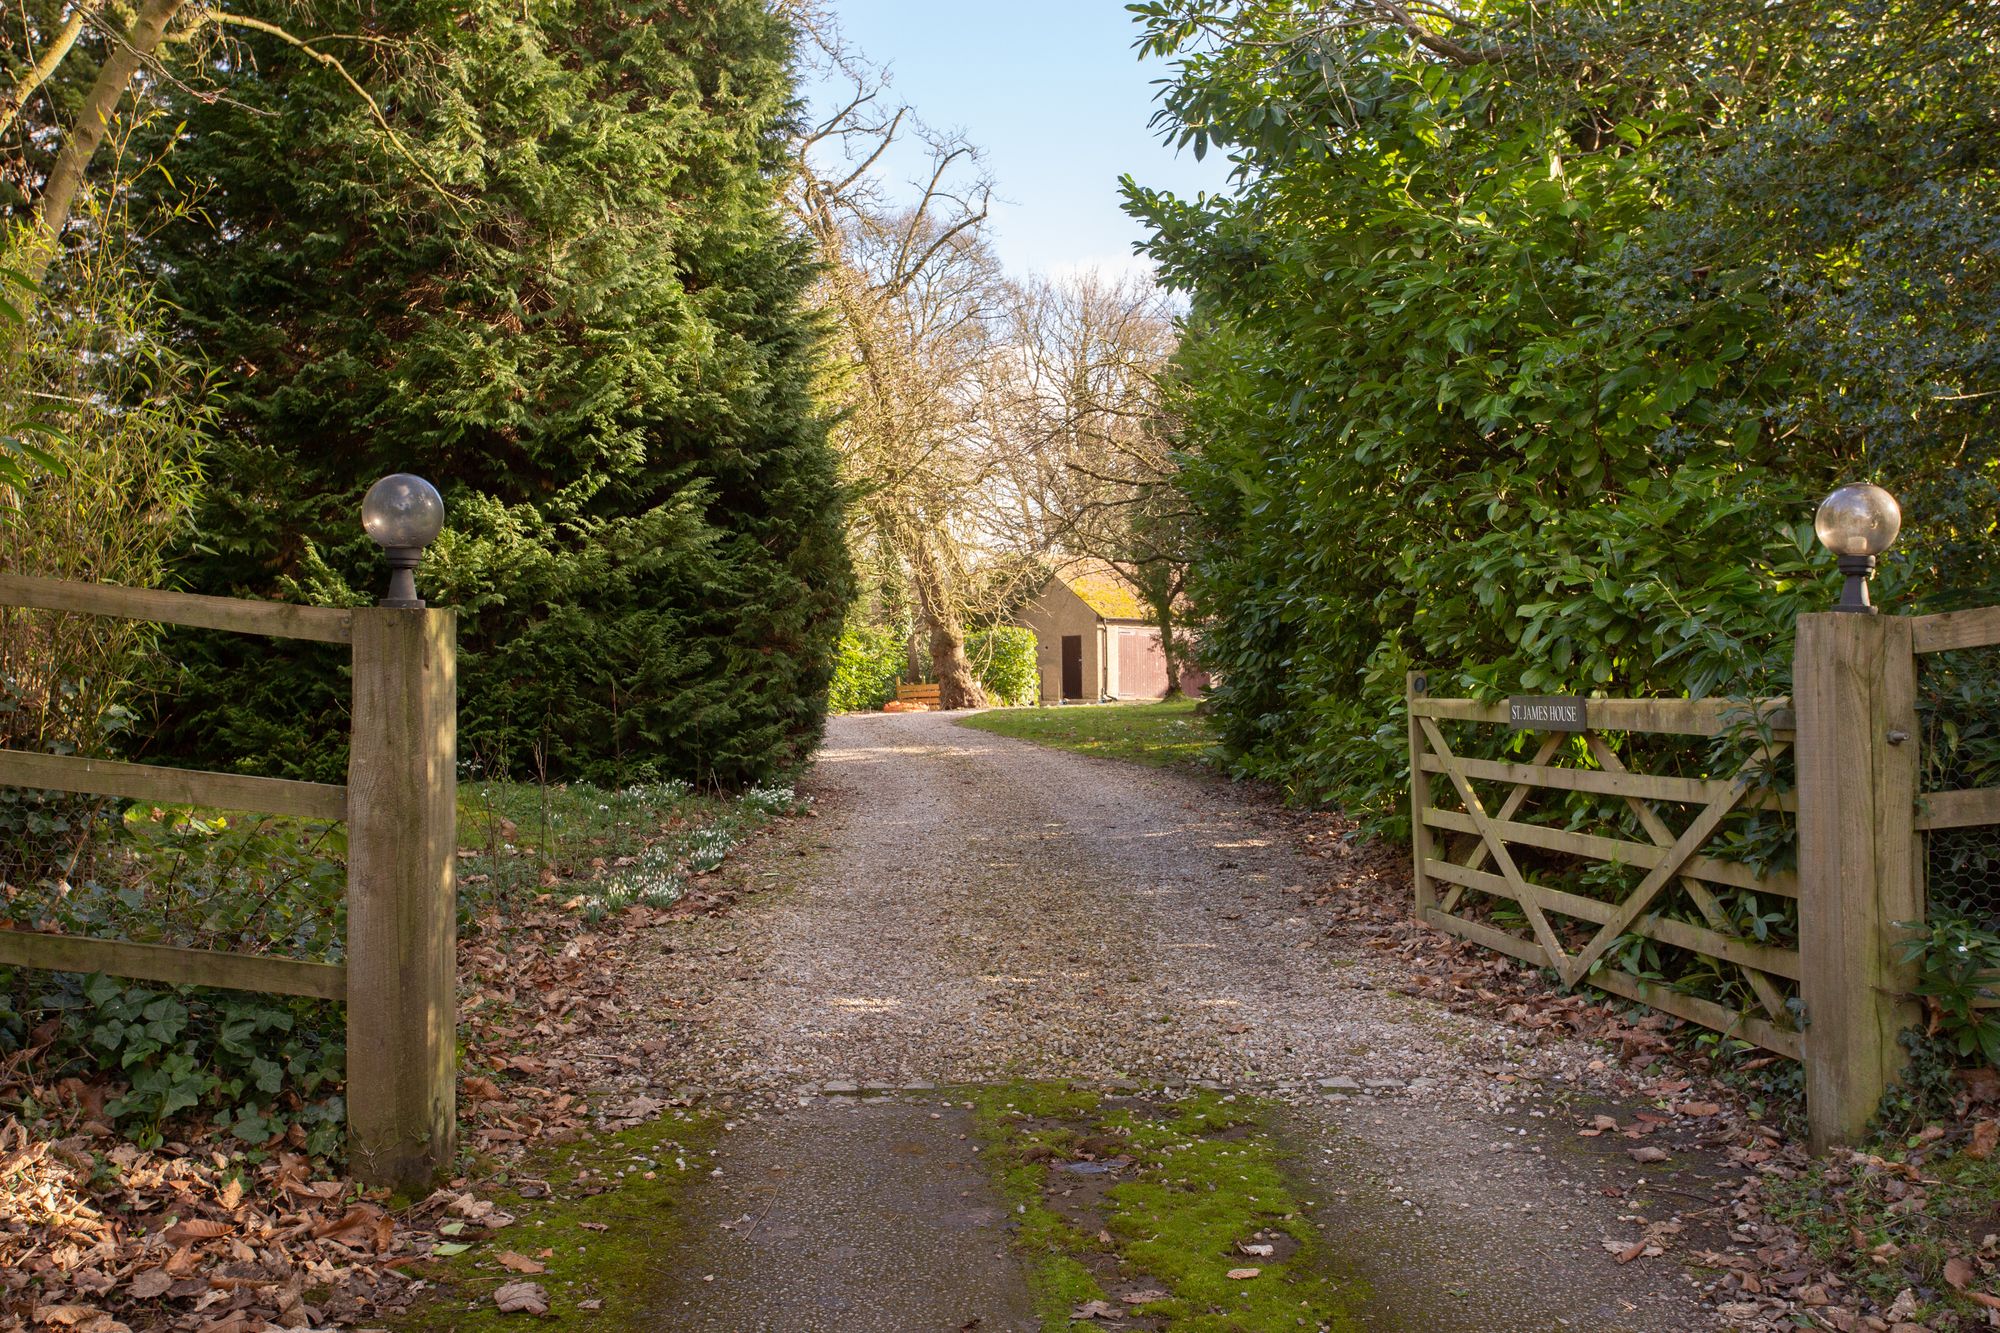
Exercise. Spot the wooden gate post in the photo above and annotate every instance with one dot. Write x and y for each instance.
(402, 922)
(1854, 687)
(1415, 685)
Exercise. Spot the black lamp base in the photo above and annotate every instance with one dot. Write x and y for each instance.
(403, 579)
(1854, 596)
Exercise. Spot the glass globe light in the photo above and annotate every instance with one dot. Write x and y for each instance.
(1857, 523)
(402, 511)
(403, 514)
(1858, 520)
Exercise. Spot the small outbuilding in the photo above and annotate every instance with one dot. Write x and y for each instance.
(1094, 637)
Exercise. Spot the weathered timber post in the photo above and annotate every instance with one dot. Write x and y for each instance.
(1417, 684)
(402, 922)
(1854, 688)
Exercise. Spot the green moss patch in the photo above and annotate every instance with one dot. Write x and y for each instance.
(600, 1215)
(1148, 1204)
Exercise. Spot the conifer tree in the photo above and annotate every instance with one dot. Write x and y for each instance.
(564, 292)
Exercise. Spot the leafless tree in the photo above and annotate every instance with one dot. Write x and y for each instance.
(1082, 438)
(913, 291)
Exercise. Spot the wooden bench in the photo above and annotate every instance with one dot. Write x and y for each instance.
(918, 694)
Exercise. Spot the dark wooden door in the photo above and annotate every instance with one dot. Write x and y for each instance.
(1072, 664)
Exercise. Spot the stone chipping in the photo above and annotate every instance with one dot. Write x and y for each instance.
(966, 908)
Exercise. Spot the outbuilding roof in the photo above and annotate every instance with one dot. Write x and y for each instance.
(1104, 590)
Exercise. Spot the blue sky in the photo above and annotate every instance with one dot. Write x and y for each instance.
(1054, 93)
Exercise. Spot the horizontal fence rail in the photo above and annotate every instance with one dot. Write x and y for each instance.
(275, 620)
(1673, 901)
(173, 786)
(1953, 630)
(1684, 717)
(176, 967)
(399, 980)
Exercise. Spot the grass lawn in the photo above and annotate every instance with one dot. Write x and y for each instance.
(1166, 735)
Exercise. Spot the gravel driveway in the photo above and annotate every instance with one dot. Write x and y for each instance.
(967, 908)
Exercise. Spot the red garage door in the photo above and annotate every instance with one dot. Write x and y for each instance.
(1142, 667)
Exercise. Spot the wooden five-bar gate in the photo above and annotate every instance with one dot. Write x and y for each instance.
(1469, 853)
(1534, 834)
(400, 806)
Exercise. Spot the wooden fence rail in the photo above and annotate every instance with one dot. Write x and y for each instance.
(399, 802)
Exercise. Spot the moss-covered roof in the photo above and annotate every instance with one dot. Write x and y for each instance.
(1104, 590)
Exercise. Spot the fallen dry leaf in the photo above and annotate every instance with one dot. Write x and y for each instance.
(1647, 1154)
(1699, 1108)
(520, 1263)
(197, 1228)
(1626, 1251)
(1242, 1274)
(356, 1223)
(1958, 1272)
(1985, 1138)
(1097, 1310)
(153, 1282)
(521, 1298)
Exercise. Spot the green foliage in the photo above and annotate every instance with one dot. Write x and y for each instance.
(873, 661)
(1004, 658)
(25, 428)
(255, 1066)
(1526, 364)
(567, 295)
(194, 879)
(119, 424)
(1956, 960)
(865, 672)
(613, 848)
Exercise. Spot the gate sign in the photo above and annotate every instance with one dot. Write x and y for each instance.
(1528, 712)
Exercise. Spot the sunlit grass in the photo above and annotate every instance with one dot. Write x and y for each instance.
(1165, 735)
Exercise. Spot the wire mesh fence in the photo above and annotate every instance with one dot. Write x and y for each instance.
(1958, 710)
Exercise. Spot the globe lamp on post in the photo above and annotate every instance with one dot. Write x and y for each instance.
(1857, 523)
(403, 514)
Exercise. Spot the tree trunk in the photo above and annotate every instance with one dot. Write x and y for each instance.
(93, 121)
(958, 684)
(1163, 615)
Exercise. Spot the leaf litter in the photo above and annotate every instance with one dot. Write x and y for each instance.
(100, 1236)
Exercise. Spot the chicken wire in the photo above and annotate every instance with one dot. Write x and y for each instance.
(1958, 706)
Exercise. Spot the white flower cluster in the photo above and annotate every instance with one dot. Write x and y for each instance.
(773, 801)
(706, 847)
(658, 877)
